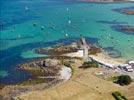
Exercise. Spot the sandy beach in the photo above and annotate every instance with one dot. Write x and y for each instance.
(104, 57)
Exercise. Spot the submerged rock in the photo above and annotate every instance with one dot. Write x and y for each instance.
(127, 29)
(126, 10)
(113, 52)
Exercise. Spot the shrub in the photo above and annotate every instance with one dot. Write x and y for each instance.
(90, 64)
(118, 96)
(124, 80)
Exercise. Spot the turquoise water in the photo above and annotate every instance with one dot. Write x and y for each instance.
(19, 36)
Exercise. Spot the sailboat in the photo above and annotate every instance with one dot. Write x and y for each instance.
(67, 9)
(66, 35)
(69, 22)
(26, 8)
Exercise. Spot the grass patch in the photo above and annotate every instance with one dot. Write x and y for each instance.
(90, 64)
(118, 96)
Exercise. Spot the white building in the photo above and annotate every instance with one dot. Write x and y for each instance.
(126, 67)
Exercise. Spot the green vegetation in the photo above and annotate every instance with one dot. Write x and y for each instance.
(118, 96)
(90, 64)
(124, 80)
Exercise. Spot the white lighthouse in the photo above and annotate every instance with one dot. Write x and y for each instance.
(84, 46)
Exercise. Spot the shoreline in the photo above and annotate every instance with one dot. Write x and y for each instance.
(101, 56)
(106, 58)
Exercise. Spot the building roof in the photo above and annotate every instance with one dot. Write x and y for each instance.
(124, 65)
(128, 67)
(131, 62)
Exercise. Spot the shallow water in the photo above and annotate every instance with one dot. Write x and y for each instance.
(22, 22)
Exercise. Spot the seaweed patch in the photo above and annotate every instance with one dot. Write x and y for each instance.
(127, 29)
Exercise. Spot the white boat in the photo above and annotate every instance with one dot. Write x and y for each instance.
(26, 8)
(69, 22)
(66, 35)
(67, 9)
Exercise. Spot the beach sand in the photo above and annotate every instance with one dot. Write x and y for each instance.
(104, 57)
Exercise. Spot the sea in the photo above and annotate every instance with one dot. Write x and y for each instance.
(29, 24)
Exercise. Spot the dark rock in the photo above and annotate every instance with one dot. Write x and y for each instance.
(127, 29)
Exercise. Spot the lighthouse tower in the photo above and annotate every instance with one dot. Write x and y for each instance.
(85, 47)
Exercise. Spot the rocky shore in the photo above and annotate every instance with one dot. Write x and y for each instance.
(65, 49)
(46, 72)
(57, 50)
